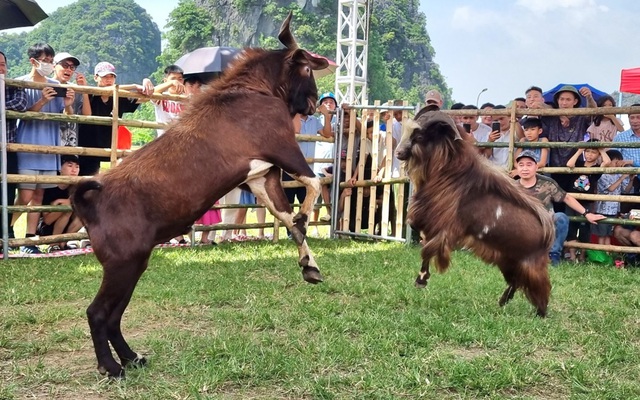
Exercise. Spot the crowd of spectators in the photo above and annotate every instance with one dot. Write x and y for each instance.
(529, 129)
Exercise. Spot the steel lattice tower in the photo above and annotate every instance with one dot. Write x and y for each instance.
(351, 52)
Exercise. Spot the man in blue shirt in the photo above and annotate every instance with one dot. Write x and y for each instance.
(631, 136)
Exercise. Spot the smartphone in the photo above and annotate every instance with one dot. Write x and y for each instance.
(60, 91)
(495, 126)
(467, 127)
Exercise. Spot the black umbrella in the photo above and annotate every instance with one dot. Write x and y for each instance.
(207, 59)
(19, 13)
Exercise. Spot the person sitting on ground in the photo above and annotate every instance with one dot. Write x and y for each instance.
(547, 191)
(59, 222)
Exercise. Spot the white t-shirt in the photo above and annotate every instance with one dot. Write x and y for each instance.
(166, 111)
(500, 155)
(482, 132)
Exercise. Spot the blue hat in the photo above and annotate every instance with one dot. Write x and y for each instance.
(329, 95)
(528, 154)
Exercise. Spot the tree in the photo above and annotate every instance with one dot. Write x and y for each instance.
(118, 31)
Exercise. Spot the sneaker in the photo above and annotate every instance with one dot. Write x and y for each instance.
(555, 259)
(325, 218)
(30, 250)
(53, 248)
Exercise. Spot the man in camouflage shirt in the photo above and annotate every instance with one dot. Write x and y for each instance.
(547, 191)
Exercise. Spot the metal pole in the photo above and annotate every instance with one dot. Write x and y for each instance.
(3, 171)
(335, 185)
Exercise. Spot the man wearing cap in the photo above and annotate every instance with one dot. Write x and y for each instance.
(433, 97)
(566, 128)
(59, 222)
(547, 190)
(99, 136)
(65, 66)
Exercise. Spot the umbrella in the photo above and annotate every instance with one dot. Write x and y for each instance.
(19, 13)
(331, 68)
(207, 59)
(548, 95)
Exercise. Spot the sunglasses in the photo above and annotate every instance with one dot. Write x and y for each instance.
(71, 67)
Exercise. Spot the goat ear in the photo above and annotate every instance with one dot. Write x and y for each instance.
(285, 35)
(300, 56)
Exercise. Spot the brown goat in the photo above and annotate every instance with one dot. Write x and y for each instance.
(241, 130)
(460, 200)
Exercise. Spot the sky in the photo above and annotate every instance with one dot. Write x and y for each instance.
(508, 45)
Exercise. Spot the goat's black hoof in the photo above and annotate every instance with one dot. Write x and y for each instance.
(137, 362)
(421, 284)
(115, 373)
(312, 275)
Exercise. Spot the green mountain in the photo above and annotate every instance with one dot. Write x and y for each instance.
(400, 53)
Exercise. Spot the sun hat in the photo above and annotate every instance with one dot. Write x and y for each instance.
(568, 88)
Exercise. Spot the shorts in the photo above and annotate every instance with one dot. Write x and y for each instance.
(34, 186)
(603, 230)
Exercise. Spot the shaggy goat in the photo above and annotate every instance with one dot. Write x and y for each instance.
(460, 200)
(237, 132)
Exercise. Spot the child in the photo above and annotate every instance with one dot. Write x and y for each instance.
(610, 184)
(57, 222)
(584, 183)
(532, 131)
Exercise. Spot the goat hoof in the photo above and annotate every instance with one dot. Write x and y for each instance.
(137, 362)
(112, 373)
(312, 275)
(421, 284)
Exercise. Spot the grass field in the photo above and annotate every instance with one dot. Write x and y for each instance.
(238, 322)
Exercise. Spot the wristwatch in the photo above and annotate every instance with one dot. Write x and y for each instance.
(584, 214)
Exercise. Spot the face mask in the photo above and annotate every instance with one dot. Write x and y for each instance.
(44, 68)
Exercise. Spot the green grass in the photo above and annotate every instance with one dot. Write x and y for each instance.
(238, 322)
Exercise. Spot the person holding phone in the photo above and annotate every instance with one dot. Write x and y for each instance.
(499, 134)
(471, 125)
(39, 132)
(65, 68)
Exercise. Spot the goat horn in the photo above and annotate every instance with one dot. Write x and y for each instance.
(285, 36)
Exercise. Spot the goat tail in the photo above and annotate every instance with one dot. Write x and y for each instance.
(84, 203)
(535, 283)
(548, 228)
